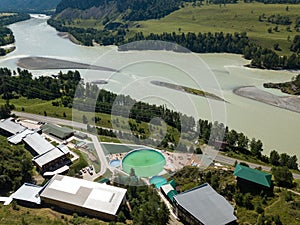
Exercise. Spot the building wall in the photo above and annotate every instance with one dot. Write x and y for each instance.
(248, 186)
(78, 209)
(184, 215)
(53, 164)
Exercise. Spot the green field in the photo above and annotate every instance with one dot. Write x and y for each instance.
(228, 19)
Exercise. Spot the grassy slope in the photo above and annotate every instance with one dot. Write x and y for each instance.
(44, 216)
(229, 19)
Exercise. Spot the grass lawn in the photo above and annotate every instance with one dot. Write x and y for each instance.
(113, 149)
(228, 19)
(43, 216)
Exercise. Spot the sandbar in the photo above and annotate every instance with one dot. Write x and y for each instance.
(291, 103)
(43, 63)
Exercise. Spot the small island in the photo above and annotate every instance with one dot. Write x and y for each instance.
(291, 87)
(188, 90)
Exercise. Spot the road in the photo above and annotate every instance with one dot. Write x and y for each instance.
(217, 156)
(102, 157)
(47, 119)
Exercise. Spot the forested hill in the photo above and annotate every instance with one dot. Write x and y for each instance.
(28, 5)
(133, 10)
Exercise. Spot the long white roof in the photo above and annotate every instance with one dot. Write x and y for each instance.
(10, 126)
(86, 194)
(38, 143)
(47, 157)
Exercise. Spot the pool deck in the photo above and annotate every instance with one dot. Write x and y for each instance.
(174, 160)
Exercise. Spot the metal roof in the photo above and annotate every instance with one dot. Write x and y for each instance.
(206, 205)
(10, 126)
(47, 157)
(60, 132)
(64, 148)
(28, 193)
(38, 143)
(253, 175)
(86, 194)
(17, 138)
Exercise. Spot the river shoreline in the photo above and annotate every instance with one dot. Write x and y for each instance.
(291, 103)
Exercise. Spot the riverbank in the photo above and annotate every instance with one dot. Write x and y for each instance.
(69, 36)
(291, 103)
(43, 63)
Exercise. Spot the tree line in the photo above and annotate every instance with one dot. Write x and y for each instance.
(21, 83)
(211, 132)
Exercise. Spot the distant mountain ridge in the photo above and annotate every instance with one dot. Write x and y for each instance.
(133, 10)
(28, 5)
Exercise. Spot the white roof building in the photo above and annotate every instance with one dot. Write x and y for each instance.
(18, 137)
(83, 196)
(38, 143)
(28, 193)
(10, 126)
(48, 157)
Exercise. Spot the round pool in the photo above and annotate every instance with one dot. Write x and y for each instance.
(115, 163)
(145, 162)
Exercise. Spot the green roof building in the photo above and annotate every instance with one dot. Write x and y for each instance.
(169, 191)
(244, 173)
(57, 131)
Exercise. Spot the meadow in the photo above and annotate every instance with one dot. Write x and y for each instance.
(229, 18)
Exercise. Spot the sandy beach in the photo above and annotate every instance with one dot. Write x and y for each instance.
(291, 103)
(41, 63)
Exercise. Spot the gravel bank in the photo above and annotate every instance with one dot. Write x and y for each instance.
(42, 63)
(291, 103)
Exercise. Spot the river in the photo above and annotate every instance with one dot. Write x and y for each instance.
(216, 73)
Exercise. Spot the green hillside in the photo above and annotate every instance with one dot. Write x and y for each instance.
(213, 18)
(229, 19)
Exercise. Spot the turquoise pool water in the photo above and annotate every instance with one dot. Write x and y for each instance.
(145, 162)
(158, 181)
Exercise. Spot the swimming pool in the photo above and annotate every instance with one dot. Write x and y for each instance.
(115, 163)
(145, 162)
